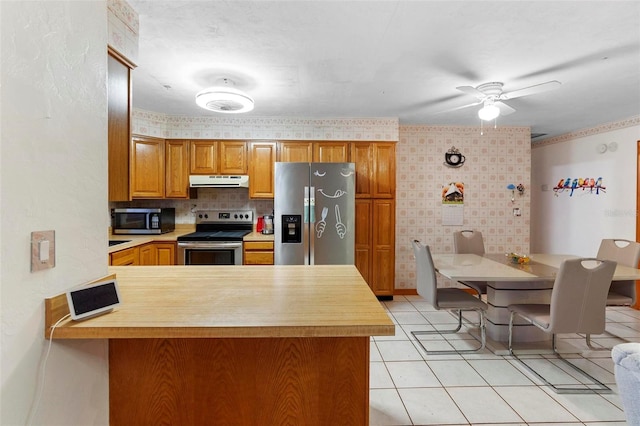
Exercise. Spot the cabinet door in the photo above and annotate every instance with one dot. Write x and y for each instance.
(295, 152)
(165, 253)
(331, 152)
(177, 169)
(233, 158)
(362, 156)
(124, 257)
(363, 238)
(147, 255)
(147, 171)
(262, 157)
(383, 245)
(119, 128)
(384, 170)
(204, 157)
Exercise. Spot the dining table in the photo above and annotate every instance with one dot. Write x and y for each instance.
(510, 283)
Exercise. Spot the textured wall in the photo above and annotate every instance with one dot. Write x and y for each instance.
(54, 177)
(499, 157)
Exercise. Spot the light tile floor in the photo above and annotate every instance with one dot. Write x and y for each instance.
(408, 387)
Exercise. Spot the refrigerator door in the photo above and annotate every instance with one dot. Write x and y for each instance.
(291, 234)
(332, 214)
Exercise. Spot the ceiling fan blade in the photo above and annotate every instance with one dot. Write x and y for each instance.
(531, 90)
(471, 91)
(458, 108)
(504, 108)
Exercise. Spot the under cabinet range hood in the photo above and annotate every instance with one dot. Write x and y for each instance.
(219, 181)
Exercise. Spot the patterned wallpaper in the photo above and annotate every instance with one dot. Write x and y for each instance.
(123, 28)
(499, 157)
(494, 160)
(183, 127)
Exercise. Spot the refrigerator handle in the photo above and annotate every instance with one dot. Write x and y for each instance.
(305, 207)
(312, 204)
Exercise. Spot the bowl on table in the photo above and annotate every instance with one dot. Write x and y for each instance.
(518, 259)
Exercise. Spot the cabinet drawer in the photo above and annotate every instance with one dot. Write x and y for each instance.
(258, 258)
(258, 245)
(125, 257)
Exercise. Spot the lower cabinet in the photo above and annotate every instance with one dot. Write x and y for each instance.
(127, 257)
(257, 253)
(375, 244)
(150, 254)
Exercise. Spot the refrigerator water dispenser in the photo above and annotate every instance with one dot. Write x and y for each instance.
(292, 228)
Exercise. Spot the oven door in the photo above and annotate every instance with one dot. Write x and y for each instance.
(210, 253)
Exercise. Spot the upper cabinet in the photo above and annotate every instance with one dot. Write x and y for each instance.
(204, 157)
(210, 157)
(262, 157)
(321, 152)
(375, 169)
(147, 171)
(119, 125)
(176, 154)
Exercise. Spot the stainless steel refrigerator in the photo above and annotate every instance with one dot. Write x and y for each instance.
(314, 214)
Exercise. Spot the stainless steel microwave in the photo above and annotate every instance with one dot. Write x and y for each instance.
(143, 221)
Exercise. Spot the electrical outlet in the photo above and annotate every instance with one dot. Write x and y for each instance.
(43, 250)
(516, 212)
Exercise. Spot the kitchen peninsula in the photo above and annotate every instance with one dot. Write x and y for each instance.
(193, 345)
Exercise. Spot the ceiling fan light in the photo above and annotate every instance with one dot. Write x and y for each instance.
(489, 112)
(224, 99)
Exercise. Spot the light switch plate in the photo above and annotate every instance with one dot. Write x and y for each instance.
(40, 240)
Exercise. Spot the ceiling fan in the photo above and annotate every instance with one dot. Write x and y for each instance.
(490, 95)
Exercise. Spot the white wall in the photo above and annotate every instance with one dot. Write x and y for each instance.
(575, 224)
(53, 176)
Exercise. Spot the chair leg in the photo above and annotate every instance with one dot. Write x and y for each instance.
(483, 339)
(599, 386)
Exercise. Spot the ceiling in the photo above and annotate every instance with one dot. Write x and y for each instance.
(404, 59)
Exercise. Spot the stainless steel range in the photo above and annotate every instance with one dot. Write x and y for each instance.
(218, 238)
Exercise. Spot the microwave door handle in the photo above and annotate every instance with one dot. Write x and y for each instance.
(148, 217)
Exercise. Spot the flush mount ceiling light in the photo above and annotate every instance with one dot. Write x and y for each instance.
(489, 111)
(225, 99)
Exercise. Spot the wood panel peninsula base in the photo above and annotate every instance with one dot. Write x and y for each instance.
(241, 345)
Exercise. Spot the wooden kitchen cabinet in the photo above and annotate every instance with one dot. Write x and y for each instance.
(153, 254)
(126, 257)
(119, 125)
(326, 152)
(176, 169)
(257, 253)
(375, 244)
(203, 157)
(233, 158)
(331, 152)
(213, 157)
(262, 158)
(294, 152)
(375, 169)
(147, 170)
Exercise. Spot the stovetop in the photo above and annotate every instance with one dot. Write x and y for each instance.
(219, 225)
(214, 236)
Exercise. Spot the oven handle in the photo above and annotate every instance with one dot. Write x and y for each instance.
(209, 245)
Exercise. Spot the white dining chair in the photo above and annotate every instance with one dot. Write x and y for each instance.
(578, 303)
(621, 293)
(470, 242)
(451, 299)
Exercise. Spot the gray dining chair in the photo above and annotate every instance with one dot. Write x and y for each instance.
(578, 303)
(621, 293)
(469, 241)
(451, 299)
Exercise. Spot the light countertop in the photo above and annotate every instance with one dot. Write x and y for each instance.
(237, 301)
(137, 240)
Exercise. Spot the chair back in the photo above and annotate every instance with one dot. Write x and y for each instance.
(626, 253)
(468, 242)
(579, 296)
(426, 281)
